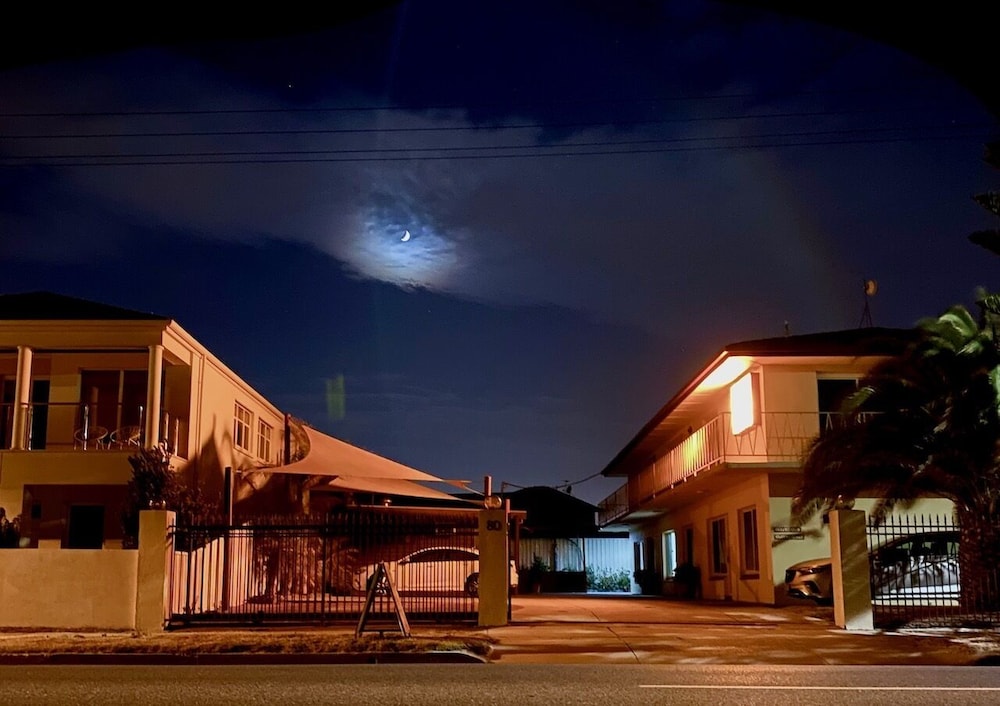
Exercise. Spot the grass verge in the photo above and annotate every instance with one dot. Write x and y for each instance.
(234, 642)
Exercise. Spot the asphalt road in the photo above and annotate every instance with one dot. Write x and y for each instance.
(414, 685)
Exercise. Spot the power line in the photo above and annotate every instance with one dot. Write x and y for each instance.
(439, 153)
(452, 128)
(507, 106)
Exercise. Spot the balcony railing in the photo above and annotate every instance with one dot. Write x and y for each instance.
(64, 426)
(777, 437)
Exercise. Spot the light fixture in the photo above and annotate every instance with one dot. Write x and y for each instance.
(492, 502)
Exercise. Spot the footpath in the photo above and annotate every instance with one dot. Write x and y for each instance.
(562, 629)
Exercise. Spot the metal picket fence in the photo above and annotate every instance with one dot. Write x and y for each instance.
(317, 569)
(917, 578)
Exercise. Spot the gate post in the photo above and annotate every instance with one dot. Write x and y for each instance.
(494, 566)
(152, 587)
(852, 598)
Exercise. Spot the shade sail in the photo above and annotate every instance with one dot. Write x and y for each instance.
(332, 457)
(387, 486)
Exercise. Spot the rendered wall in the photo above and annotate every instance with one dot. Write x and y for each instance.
(68, 589)
(741, 490)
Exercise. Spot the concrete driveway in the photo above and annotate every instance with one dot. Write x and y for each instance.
(647, 630)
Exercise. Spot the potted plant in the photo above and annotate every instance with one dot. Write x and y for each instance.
(536, 572)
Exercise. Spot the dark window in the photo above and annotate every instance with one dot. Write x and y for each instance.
(832, 393)
(86, 527)
(39, 414)
(717, 531)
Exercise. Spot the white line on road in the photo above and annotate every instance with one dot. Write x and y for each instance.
(777, 687)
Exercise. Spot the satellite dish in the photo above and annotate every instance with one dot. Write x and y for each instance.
(871, 288)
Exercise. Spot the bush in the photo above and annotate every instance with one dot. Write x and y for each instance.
(608, 580)
(155, 485)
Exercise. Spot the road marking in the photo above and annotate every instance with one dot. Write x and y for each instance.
(820, 688)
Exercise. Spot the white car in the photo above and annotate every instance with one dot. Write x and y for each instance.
(923, 565)
(435, 570)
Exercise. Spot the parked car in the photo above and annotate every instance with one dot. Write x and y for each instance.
(434, 569)
(923, 564)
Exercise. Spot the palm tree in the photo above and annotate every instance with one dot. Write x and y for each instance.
(925, 424)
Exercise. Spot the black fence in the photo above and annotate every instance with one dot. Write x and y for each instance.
(319, 569)
(919, 578)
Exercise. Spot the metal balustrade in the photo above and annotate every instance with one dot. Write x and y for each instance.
(79, 426)
(777, 437)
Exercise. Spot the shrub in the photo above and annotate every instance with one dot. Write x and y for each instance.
(608, 580)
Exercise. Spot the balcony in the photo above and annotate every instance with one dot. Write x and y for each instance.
(777, 437)
(77, 426)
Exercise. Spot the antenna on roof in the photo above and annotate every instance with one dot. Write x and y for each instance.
(870, 289)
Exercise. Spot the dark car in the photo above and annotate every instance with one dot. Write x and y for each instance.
(923, 565)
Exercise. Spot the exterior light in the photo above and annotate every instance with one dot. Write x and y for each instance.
(492, 502)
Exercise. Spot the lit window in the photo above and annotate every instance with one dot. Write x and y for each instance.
(749, 551)
(717, 532)
(264, 433)
(743, 404)
(242, 419)
(669, 554)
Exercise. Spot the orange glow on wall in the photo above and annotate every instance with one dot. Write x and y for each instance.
(742, 407)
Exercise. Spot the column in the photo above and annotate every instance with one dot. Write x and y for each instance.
(152, 594)
(22, 397)
(852, 598)
(494, 567)
(153, 386)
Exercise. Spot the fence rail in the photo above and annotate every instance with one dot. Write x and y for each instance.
(318, 569)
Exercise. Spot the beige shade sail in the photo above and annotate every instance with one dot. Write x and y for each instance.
(332, 457)
(386, 486)
(354, 469)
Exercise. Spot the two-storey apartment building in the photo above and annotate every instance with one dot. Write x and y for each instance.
(83, 385)
(711, 477)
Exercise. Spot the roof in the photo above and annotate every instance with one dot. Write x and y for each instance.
(47, 306)
(553, 513)
(850, 343)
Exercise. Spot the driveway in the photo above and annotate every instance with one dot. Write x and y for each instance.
(621, 629)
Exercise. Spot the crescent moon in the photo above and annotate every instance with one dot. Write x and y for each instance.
(406, 236)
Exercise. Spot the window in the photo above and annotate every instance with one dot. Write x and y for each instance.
(241, 427)
(717, 533)
(744, 403)
(831, 394)
(688, 555)
(749, 552)
(669, 554)
(264, 433)
(86, 527)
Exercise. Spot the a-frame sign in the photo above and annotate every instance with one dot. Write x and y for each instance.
(380, 582)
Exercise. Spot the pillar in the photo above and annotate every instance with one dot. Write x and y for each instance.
(852, 601)
(22, 398)
(152, 589)
(494, 567)
(154, 385)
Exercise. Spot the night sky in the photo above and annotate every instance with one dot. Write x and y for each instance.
(512, 229)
